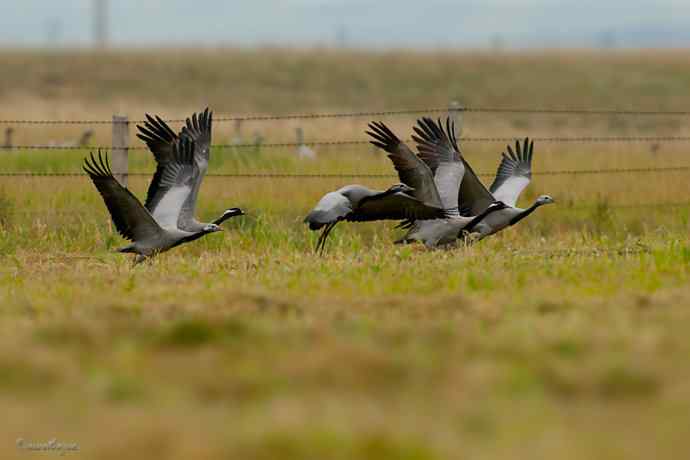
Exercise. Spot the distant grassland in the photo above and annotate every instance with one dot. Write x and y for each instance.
(267, 81)
(73, 85)
(565, 337)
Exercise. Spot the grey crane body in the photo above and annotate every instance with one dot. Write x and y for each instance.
(511, 215)
(132, 220)
(164, 241)
(513, 175)
(166, 219)
(438, 171)
(442, 232)
(357, 203)
(496, 221)
(332, 206)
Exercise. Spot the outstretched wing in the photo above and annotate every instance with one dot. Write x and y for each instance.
(514, 173)
(175, 184)
(158, 137)
(441, 149)
(412, 170)
(474, 197)
(198, 128)
(161, 141)
(131, 219)
(396, 206)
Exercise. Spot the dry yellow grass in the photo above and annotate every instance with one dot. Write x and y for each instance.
(562, 338)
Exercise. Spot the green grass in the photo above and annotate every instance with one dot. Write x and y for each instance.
(260, 349)
(565, 337)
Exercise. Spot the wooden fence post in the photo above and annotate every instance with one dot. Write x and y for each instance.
(120, 152)
(455, 113)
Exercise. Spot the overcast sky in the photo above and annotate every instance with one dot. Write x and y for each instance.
(360, 23)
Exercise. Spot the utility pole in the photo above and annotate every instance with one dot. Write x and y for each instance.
(341, 36)
(100, 23)
(53, 33)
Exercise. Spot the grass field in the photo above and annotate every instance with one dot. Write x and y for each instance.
(565, 337)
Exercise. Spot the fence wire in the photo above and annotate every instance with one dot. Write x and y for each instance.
(327, 143)
(355, 175)
(387, 113)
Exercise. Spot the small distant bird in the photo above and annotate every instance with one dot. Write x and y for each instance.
(237, 134)
(85, 138)
(83, 141)
(303, 150)
(7, 144)
(258, 141)
(357, 203)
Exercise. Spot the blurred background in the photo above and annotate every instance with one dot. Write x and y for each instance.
(504, 24)
(565, 337)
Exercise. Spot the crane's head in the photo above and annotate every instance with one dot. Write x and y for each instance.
(227, 214)
(232, 212)
(210, 228)
(544, 199)
(497, 206)
(401, 188)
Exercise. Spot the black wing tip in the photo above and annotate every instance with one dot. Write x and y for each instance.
(183, 150)
(156, 130)
(523, 153)
(97, 167)
(198, 123)
(431, 130)
(430, 135)
(387, 140)
(144, 137)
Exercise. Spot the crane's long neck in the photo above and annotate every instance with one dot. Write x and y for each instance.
(192, 237)
(370, 194)
(524, 213)
(226, 216)
(479, 217)
(390, 191)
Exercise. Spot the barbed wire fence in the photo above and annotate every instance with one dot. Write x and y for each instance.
(454, 109)
(121, 125)
(271, 175)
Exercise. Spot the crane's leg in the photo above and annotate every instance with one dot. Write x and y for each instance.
(469, 238)
(321, 244)
(325, 237)
(139, 258)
